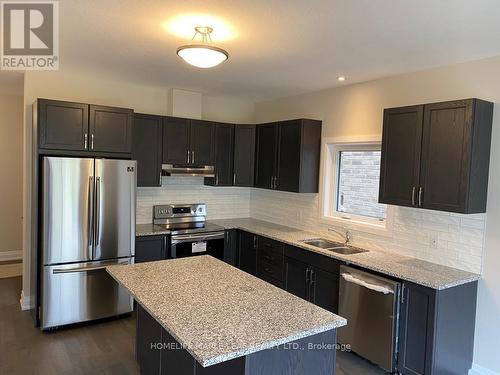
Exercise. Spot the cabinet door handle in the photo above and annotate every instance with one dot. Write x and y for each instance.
(312, 287)
(85, 141)
(234, 178)
(92, 141)
(307, 275)
(420, 196)
(160, 178)
(413, 192)
(192, 157)
(189, 153)
(254, 242)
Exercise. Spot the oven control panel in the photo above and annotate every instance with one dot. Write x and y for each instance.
(179, 210)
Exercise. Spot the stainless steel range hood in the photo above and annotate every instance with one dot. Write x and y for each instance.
(191, 170)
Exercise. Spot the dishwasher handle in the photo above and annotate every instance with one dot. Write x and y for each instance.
(377, 288)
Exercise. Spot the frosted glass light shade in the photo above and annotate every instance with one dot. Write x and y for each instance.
(202, 56)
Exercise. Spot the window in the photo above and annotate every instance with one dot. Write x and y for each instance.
(351, 173)
(358, 178)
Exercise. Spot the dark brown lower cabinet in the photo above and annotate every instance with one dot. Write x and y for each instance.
(312, 284)
(436, 334)
(248, 252)
(270, 261)
(158, 353)
(151, 248)
(231, 247)
(312, 277)
(148, 337)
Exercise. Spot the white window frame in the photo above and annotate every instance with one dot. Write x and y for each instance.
(331, 149)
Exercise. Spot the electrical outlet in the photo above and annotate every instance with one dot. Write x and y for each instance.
(433, 241)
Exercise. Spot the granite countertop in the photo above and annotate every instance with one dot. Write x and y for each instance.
(142, 230)
(420, 272)
(218, 311)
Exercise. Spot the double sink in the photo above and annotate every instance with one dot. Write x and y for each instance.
(335, 247)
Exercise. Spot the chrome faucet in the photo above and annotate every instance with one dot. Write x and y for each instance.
(347, 235)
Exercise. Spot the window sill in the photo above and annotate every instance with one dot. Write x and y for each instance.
(384, 229)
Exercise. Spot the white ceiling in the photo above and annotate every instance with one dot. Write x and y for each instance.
(277, 47)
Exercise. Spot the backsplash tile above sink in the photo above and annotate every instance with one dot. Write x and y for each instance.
(459, 238)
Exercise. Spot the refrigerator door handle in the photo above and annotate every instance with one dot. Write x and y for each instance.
(91, 215)
(86, 269)
(97, 210)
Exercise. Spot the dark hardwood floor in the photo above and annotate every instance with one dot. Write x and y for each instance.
(102, 348)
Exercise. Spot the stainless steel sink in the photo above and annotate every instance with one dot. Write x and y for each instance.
(347, 250)
(335, 247)
(321, 243)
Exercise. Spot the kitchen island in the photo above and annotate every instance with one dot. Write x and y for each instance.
(199, 315)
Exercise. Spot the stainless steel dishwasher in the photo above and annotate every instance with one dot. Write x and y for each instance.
(370, 304)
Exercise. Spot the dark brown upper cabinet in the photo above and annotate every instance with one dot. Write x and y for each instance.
(400, 162)
(288, 155)
(69, 126)
(110, 129)
(244, 155)
(267, 138)
(436, 156)
(188, 142)
(63, 125)
(202, 142)
(176, 140)
(147, 149)
(224, 147)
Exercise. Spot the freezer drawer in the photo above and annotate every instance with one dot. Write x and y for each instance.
(80, 292)
(371, 306)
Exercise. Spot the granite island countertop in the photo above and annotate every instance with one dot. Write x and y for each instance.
(219, 312)
(420, 272)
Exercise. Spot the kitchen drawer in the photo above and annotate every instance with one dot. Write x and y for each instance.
(270, 279)
(273, 269)
(271, 256)
(264, 243)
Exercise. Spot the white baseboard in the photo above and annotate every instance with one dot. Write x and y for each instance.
(478, 370)
(26, 302)
(11, 255)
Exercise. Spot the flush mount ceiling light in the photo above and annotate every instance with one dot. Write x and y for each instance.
(341, 78)
(203, 55)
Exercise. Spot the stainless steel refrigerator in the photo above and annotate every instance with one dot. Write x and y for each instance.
(88, 222)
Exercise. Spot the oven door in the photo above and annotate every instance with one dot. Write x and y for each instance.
(186, 245)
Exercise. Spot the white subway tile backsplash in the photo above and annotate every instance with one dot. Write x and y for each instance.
(459, 237)
(222, 203)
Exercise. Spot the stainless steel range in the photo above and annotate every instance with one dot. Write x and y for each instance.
(190, 233)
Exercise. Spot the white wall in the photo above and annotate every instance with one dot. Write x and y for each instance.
(357, 111)
(90, 87)
(11, 165)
